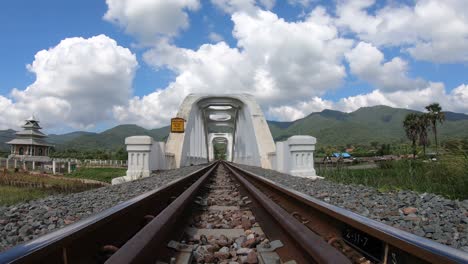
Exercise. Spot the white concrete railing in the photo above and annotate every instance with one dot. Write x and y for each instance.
(170, 161)
(144, 156)
(295, 156)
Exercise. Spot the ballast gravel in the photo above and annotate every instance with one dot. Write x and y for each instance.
(25, 221)
(426, 215)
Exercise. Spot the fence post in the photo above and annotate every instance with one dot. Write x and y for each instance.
(33, 165)
(24, 165)
(69, 167)
(7, 163)
(53, 166)
(16, 163)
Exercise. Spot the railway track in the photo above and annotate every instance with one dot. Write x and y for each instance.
(222, 213)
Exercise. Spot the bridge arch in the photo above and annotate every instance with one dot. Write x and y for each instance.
(238, 117)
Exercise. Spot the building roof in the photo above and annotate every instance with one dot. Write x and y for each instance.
(344, 155)
(32, 124)
(31, 132)
(28, 141)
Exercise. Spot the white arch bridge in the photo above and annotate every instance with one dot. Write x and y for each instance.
(232, 127)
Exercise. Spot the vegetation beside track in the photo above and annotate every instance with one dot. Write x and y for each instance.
(98, 174)
(16, 187)
(447, 177)
(11, 195)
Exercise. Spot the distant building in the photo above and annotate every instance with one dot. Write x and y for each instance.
(30, 144)
(344, 155)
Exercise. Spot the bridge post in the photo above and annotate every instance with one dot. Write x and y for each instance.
(144, 156)
(296, 156)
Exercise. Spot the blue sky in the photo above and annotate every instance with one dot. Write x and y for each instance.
(345, 54)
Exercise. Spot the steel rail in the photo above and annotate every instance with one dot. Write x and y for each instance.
(83, 241)
(395, 246)
(319, 251)
(141, 247)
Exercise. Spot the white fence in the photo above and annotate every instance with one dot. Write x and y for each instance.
(60, 166)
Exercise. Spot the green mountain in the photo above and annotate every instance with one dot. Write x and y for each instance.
(378, 123)
(112, 138)
(5, 136)
(62, 139)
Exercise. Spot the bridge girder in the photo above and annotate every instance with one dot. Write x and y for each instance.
(237, 116)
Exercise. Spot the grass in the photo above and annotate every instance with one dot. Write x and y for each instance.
(18, 187)
(11, 195)
(98, 174)
(447, 177)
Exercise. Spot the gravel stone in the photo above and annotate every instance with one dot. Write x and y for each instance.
(426, 215)
(26, 221)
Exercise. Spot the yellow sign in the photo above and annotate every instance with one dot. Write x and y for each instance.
(177, 125)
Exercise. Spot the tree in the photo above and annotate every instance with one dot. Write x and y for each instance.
(435, 115)
(423, 126)
(412, 129)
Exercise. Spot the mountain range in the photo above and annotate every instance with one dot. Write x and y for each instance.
(367, 124)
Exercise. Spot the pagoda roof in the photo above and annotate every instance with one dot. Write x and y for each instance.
(32, 118)
(36, 133)
(29, 141)
(32, 124)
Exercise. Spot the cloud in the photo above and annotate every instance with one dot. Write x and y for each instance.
(290, 66)
(367, 62)
(215, 37)
(417, 99)
(414, 99)
(244, 6)
(150, 20)
(300, 110)
(304, 3)
(279, 62)
(430, 30)
(77, 83)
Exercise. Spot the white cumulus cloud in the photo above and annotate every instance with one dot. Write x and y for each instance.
(367, 62)
(455, 100)
(77, 83)
(245, 6)
(430, 30)
(150, 19)
(215, 37)
(279, 62)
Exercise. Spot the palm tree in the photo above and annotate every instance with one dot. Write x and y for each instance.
(412, 129)
(435, 115)
(423, 123)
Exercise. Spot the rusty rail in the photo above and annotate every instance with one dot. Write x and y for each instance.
(93, 239)
(141, 247)
(313, 245)
(351, 232)
(137, 230)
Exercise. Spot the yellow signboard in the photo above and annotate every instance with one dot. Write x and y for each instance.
(177, 125)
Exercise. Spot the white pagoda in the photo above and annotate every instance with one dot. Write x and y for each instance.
(30, 144)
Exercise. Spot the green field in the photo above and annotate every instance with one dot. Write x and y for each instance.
(98, 174)
(447, 177)
(21, 187)
(11, 195)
